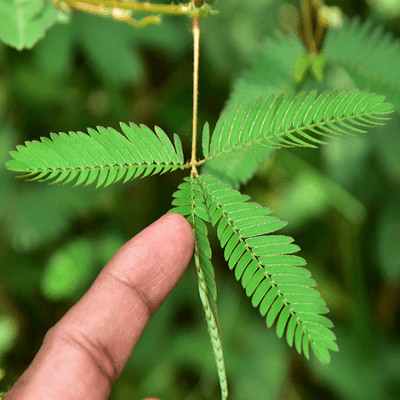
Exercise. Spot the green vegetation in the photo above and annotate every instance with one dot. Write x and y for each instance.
(319, 77)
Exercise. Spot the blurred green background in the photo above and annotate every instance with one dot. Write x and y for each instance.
(342, 203)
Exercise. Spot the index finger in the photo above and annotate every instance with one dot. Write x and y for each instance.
(88, 348)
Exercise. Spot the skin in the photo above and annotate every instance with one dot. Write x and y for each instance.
(85, 352)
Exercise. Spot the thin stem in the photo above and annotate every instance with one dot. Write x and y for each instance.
(115, 9)
(308, 29)
(319, 33)
(171, 9)
(196, 40)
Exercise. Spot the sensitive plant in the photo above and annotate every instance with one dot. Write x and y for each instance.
(263, 261)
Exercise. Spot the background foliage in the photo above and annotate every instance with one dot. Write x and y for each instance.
(342, 203)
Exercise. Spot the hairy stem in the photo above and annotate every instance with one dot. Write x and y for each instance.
(196, 40)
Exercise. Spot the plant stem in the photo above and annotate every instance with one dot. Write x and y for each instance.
(171, 9)
(115, 9)
(319, 34)
(307, 24)
(196, 40)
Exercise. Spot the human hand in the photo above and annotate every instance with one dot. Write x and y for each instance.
(88, 348)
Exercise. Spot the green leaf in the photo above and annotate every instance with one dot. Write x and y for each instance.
(304, 61)
(178, 148)
(24, 22)
(369, 55)
(317, 66)
(286, 121)
(104, 155)
(278, 55)
(206, 140)
(302, 64)
(270, 274)
(190, 202)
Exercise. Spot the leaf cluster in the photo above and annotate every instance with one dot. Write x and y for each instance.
(270, 274)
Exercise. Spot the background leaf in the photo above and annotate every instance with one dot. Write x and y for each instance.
(368, 54)
(23, 23)
(272, 70)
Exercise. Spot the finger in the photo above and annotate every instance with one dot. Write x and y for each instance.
(87, 349)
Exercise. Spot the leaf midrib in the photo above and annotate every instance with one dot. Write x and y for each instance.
(101, 167)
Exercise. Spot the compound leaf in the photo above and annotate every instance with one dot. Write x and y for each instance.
(190, 202)
(104, 155)
(286, 121)
(269, 271)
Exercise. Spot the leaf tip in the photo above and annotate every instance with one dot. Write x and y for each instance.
(17, 166)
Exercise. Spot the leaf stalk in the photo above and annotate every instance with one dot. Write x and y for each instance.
(307, 24)
(123, 10)
(196, 41)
